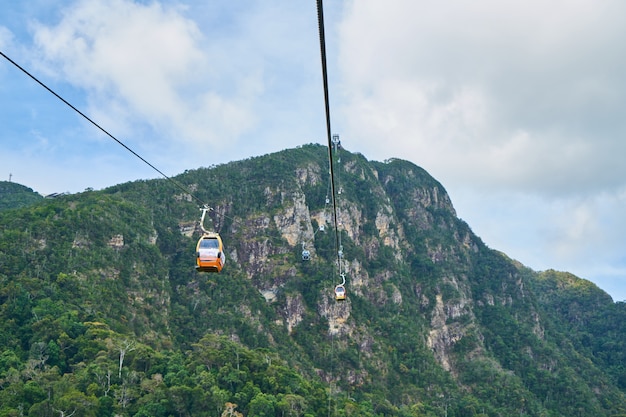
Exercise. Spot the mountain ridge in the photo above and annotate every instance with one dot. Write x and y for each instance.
(435, 322)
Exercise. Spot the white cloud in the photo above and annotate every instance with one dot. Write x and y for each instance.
(582, 235)
(498, 93)
(516, 107)
(145, 65)
(224, 84)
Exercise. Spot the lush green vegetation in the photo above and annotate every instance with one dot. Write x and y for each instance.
(102, 313)
(14, 195)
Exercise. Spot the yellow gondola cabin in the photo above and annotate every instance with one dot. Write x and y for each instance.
(210, 253)
(340, 293)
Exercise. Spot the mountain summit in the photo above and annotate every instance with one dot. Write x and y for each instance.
(13, 195)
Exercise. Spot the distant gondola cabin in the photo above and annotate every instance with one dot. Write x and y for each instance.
(340, 293)
(210, 253)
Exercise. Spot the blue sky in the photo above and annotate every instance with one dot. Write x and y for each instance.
(515, 107)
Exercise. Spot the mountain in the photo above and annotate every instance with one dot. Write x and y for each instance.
(13, 195)
(103, 314)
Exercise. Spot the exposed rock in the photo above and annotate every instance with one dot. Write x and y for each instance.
(183, 197)
(337, 314)
(538, 329)
(294, 222)
(385, 232)
(187, 228)
(350, 220)
(443, 335)
(258, 252)
(269, 294)
(396, 296)
(80, 242)
(117, 241)
(294, 310)
(308, 175)
(356, 276)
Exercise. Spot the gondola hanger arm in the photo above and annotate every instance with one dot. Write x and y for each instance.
(204, 210)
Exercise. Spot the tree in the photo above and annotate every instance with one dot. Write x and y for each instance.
(229, 410)
(262, 405)
(292, 405)
(124, 346)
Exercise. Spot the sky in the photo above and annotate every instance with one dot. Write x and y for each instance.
(516, 107)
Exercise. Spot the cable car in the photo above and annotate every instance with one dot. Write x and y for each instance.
(306, 255)
(210, 253)
(340, 292)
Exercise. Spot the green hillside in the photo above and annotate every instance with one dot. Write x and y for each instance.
(103, 314)
(13, 195)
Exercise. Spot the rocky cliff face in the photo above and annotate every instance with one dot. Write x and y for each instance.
(420, 284)
(393, 219)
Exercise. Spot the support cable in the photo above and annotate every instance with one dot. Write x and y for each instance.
(176, 183)
(320, 18)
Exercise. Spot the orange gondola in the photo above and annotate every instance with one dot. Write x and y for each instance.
(210, 249)
(210, 253)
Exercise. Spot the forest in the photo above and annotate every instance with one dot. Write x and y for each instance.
(102, 312)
